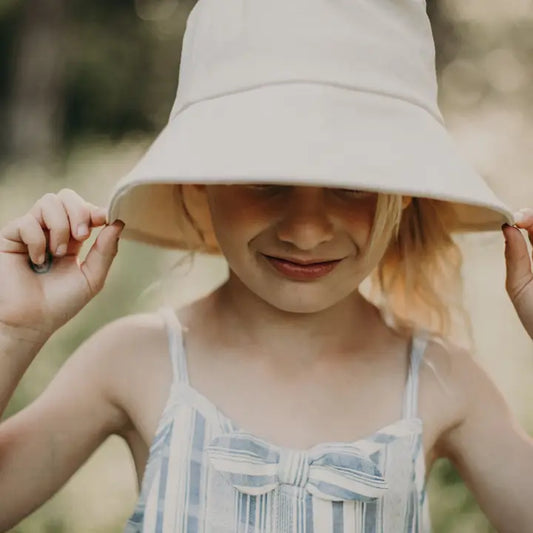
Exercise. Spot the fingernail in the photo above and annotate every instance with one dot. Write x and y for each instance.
(44, 263)
(83, 230)
(61, 249)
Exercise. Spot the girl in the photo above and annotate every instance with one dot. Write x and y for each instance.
(285, 400)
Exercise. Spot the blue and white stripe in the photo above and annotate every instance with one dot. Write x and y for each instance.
(206, 475)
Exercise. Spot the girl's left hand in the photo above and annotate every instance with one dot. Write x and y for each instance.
(519, 279)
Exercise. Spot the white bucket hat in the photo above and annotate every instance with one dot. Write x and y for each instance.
(307, 92)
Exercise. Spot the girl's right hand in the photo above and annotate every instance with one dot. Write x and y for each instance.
(59, 223)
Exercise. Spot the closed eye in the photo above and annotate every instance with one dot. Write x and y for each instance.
(279, 188)
(268, 188)
(354, 192)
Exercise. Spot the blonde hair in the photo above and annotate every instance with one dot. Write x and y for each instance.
(417, 280)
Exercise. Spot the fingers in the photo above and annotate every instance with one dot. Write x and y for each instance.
(27, 230)
(519, 270)
(524, 220)
(50, 214)
(100, 256)
(67, 219)
(98, 215)
(82, 214)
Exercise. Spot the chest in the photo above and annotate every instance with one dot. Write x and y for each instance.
(301, 407)
(204, 469)
(297, 411)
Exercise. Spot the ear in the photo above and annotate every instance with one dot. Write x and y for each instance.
(406, 200)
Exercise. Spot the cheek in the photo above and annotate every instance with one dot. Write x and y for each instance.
(240, 216)
(359, 217)
(236, 218)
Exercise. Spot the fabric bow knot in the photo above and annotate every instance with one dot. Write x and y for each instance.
(335, 472)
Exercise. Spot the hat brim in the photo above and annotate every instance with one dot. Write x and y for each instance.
(302, 134)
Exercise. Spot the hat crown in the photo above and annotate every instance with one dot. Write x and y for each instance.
(336, 93)
(381, 46)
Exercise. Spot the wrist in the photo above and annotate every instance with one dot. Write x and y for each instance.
(20, 340)
(18, 348)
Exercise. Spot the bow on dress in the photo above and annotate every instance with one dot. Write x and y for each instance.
(334, 471)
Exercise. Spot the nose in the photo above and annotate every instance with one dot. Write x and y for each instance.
(305, 222)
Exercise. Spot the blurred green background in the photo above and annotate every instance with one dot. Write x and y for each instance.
(85, 87)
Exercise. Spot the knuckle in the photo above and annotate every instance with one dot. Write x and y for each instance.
(94, 285)
(47, 206)
(28, 220)
(48, 198)
(35, 240)
(518, 287)
(57, 226)
(70, 196)
(65, 191)
(76, 207)
(59, 234)
(82, 214)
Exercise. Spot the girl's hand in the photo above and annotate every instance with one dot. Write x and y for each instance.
(519, 280)
(59, 223)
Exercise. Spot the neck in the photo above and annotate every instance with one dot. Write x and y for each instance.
(346, 327)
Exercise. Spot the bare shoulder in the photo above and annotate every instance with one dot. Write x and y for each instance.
(129, 341)
(484, 438)
(445, 361)
(132, 355)
(466, 393)
(445, 371)
(129, 329)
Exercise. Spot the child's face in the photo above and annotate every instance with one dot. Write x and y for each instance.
(305, 223)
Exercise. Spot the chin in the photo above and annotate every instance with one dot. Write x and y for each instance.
(303, 301)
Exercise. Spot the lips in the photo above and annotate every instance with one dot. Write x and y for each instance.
(303, 262)
(301, 272)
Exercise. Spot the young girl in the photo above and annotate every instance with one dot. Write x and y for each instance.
(284, 400)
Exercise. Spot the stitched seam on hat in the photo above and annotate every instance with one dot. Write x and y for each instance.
(307, 82)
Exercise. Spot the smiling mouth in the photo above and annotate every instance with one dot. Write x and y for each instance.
(299, 271)
(302, 262)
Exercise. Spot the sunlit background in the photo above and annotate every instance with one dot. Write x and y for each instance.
(85, 87)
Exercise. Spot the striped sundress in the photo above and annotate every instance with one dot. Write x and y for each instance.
(206, 475)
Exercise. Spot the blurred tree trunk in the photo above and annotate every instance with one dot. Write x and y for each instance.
(35, 121)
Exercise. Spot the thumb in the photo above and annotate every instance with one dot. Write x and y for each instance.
(96, 265)
(518, 263)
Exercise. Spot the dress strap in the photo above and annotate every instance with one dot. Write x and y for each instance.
(419, 342)
(175, 343)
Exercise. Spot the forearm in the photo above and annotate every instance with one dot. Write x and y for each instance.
(18, 348)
